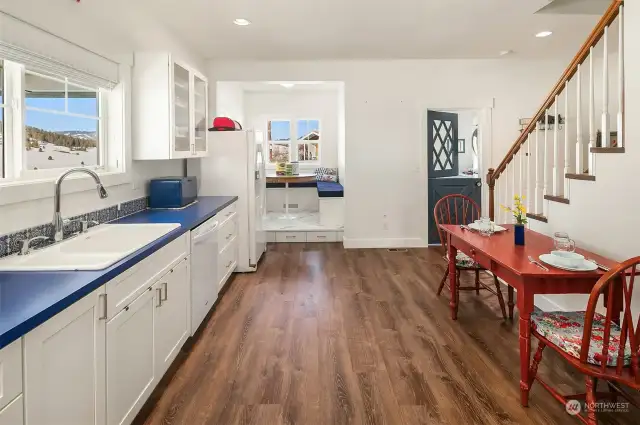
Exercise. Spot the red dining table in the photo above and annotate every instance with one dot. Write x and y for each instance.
(499, 254)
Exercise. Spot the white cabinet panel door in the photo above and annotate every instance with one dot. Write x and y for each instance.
(13, 414)
(172, 326)
(65, 366)
(130, 368)
(10, 372)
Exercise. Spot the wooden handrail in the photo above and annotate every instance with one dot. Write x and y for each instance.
(607, 19)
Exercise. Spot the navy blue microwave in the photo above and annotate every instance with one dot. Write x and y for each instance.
(172, 192)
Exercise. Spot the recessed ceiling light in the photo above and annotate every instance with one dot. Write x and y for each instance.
(505, 52)
(544, 34)
(242, 22)
(287, 85)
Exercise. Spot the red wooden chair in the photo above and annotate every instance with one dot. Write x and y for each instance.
(593, 343)
(460, 209)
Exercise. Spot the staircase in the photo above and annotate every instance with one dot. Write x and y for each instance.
(581, 119)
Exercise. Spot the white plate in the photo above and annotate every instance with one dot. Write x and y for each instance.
(496, 228)
(587, 266)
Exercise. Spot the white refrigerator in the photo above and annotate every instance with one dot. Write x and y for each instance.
(236, 167)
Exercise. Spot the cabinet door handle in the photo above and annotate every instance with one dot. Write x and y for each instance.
(166, 291)
(229, 265)
(159, 294)
(103, 298)
(229, 236)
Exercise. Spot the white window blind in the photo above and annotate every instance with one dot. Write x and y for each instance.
(46, 53)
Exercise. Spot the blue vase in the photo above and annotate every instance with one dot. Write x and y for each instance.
(518, 234)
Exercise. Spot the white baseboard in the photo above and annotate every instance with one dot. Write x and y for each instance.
(545, 303)
(384, 243)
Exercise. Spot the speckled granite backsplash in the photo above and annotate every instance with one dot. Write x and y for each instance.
(10, 244)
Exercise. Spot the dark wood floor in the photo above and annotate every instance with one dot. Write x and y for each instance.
(321, 336)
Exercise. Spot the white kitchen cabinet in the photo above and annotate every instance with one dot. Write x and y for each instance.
(172, 316)
(10, 372)
(130, 359)
(64, 366)
(13, 414)
(170, 108)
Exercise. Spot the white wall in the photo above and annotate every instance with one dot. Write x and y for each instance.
(229, 102)
(260, 107)
(385, 104)
(114, 29)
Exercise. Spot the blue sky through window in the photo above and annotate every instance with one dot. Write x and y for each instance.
(55, 122)
(280, 130)
(307, 126)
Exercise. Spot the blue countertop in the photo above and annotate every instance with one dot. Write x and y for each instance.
(28, 299)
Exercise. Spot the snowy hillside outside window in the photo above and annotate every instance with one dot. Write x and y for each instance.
(62, 124)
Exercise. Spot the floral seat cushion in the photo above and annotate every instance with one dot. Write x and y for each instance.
(463, 261)
(564, 329)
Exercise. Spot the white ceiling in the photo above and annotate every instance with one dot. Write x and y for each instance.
(377, 29)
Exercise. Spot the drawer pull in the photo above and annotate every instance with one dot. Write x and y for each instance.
(229, 214)
(291, 237)
(321, 237)
(229, 236)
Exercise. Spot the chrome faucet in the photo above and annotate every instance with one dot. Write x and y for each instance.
(58, 222)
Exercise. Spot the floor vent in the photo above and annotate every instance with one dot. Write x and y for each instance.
(397, 249)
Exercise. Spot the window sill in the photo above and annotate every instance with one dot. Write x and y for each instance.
(23, 191)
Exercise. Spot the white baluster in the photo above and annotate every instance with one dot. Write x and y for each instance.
(521, 183)
(620, 116)
(557, 169)
(505, 198)
(592, 115)
(516, 171)
(546, 166)
(567, 145)
(579, 138)
(539, 172)
(528, 192)
(606, 117)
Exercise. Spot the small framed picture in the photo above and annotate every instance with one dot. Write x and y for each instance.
(461, 146)
(613, 139)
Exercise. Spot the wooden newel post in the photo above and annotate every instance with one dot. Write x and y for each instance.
(492, 184)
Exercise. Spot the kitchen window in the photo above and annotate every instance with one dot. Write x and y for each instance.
(53, 118)
(304, 147)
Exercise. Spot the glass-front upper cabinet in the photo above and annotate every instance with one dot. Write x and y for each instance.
(181, 109)
(170, 108)
(200, 112)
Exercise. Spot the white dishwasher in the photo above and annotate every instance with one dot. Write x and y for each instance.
(204, 271)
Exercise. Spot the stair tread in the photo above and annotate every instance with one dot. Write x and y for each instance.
(607, 150)
(538, 217)
(560, 199)
(580, 176)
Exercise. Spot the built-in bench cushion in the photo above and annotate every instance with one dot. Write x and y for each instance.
(330, 190)
(291, 185)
